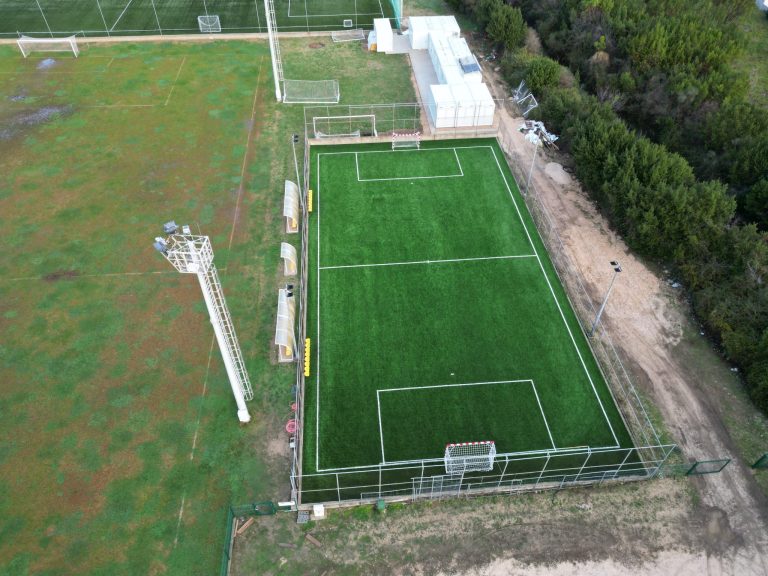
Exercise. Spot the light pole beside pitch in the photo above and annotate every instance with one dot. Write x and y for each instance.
(536, 134)
(193, 255)
(616, 271)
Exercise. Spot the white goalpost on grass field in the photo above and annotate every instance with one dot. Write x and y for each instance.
(27, 45)
(295, 91)
(353, 126)
(469, 457)
(356, 34)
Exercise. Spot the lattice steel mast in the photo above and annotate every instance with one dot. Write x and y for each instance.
(193, 255)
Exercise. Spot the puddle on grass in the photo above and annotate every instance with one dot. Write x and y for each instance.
(46, 64)
(14, 125)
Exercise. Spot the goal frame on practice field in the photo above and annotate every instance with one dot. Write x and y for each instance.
(27, 45)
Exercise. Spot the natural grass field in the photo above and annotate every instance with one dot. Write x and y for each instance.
(119, 444)
(126, 17)
(436, 316)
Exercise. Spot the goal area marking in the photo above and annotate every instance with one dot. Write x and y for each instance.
(466, 384)
(416, 177)
(534, 254)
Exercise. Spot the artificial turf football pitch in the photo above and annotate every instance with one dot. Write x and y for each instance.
(128, 17)
(436, 317)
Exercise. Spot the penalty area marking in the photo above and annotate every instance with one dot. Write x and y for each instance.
(345, 14)
(532, 383)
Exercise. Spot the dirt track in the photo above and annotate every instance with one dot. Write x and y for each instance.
(648, 325)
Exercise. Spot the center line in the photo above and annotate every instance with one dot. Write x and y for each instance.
(428, 261)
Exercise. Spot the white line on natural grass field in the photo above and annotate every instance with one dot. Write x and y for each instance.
(178, 73)
(121, 15)
(241, 188)
(410, 263)
(554, 296)
(178, 522)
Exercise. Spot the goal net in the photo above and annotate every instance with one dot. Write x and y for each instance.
(209, 24)
(27, 45)
(402, 140)
(469, 457)
(348, 35)
(311, 91)
(344, 126)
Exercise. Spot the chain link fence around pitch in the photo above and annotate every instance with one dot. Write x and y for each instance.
(553, 469)
(97, 18)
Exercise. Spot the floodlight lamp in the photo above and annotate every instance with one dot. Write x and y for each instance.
(160, 245)
(170, 227)
(295, 138)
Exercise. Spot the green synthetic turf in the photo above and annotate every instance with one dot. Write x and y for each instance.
(514, 415)
(121, 17)
(471, 297)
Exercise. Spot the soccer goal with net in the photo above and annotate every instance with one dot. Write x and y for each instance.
(209, 24)
(356, 34)
(469, 457)
(28, 44)
(402, 140)
(353, 126)
(311, 91)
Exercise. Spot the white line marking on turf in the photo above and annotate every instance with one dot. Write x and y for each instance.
(458, 161)
(178, 73)
(121, 15)
(424, 150)
(409, 263)
(554, 296)
(543, 415)
(459, 385)
(381, 432)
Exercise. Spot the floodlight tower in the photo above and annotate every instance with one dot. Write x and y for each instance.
(193, 255)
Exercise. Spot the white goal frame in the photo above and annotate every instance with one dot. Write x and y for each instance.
(356, 34)
(402, 141)
(348, 126)
(28, 44)
(469, 457)
(311, 91)
(209, 24)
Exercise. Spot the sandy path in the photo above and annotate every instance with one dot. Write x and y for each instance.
(647, 328)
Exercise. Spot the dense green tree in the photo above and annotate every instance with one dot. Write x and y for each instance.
(507, 27)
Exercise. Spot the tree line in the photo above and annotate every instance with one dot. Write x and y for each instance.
(664, 138)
